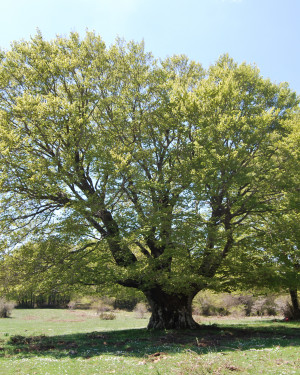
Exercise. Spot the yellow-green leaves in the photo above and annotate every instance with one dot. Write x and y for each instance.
(166, 164)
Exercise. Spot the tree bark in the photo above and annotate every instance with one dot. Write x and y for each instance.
(295, 304)
(170, 311)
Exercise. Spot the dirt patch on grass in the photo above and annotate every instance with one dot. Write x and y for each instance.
(87, 314)
(30, 317)
(55, 320)
(75, 316)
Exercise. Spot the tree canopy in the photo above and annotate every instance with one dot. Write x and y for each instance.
(154, 170)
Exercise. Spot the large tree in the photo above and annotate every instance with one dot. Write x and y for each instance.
(160, 168)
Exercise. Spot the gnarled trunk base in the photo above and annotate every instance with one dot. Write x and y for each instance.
(170, 311)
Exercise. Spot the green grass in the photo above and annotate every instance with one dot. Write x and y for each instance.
(78, 342)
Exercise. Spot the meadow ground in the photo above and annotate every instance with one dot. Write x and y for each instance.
(44, 341)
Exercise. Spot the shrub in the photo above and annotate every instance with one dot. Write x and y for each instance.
(103, 304)
(6, 308)
(207, 303)
(264, 306)
(72, 305)
(101, 307)
(286, 308)
(126, 303)
(232, 305)
(247, 300)
(107, 316)
(288, 311)
(100, 304)
(140, 310)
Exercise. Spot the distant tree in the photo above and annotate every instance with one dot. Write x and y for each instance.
(157, 170)
(283, 243)
(38, 274)
(272, 255)
(269, 262)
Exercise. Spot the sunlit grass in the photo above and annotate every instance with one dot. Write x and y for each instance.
(78, 342)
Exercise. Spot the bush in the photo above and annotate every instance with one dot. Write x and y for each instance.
(264, 306)
(100, 304)
(107, 316)
(103, 304)
(247, 300)
(126, 303)
(286, 308)
(6, 308)
(72, 305)
(140, 310)
(232, 305)
(207, 303)
(288, 311)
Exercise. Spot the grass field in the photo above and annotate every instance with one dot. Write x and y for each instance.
(77, 342)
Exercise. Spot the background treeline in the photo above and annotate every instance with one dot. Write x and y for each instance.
(57, 299)
(206, 303)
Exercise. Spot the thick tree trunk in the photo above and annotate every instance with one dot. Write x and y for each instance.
(295, 304)
(170, 311)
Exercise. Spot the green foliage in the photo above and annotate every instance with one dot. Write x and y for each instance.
(107, 316)
(208, 303)
(6, 308)
(103, 304)
(271, 259)
(140, 310)
(117, 168)
(41, 272)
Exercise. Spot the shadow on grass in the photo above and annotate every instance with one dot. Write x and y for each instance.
(141, 343)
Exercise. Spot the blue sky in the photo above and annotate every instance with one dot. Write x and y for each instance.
(264, 32)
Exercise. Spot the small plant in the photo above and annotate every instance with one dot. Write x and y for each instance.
(264, 306)
(140, 310)
(6, 308)
(288, 311)
(247, 300)
(101, 307)
(107, 316)
(72, 305)
(208, 303)
(103, 304)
